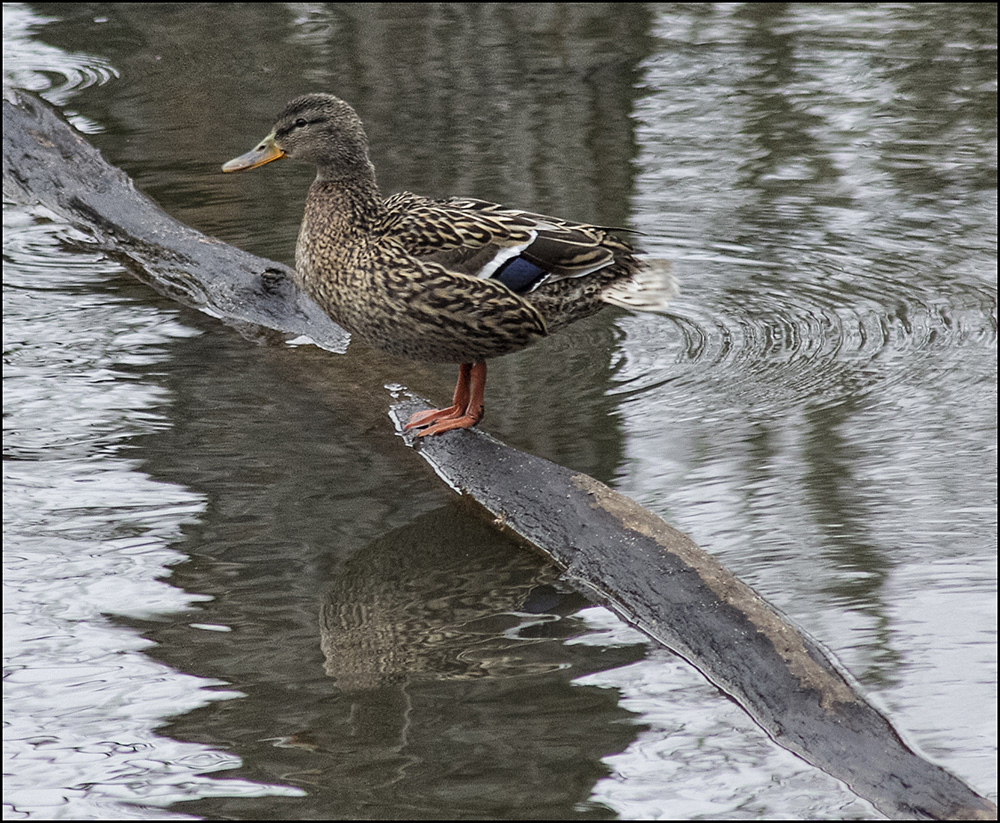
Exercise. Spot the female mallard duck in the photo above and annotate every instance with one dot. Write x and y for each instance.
(457, 280)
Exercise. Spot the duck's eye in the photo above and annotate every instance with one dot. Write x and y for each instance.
(300, 123)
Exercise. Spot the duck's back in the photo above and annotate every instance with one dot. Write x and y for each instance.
(455, 280)
(560, 268)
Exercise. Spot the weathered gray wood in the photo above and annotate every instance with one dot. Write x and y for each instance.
(610, 547)
(658, 580)
(46, 161)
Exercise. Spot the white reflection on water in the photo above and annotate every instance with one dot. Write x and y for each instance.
(48, 71)
(86, 532)
(699, 756)
(825, 424)
(782, 322)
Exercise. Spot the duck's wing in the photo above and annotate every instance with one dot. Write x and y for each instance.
(519, 249)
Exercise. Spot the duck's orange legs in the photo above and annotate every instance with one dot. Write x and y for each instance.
(466, 408)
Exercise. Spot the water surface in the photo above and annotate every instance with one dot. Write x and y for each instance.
(230, 591)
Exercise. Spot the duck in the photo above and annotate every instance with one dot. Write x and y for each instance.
(454, 280)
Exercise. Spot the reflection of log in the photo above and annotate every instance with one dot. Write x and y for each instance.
(610, 547)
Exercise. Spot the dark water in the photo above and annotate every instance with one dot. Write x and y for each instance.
(230, 591)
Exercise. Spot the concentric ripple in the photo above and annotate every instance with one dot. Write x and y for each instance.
(770, 337)
(55, 74)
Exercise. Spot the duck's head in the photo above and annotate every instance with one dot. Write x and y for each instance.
(316, 128)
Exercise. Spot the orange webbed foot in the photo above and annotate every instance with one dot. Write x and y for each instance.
(466, 409)
(426, 418)
(447, 424)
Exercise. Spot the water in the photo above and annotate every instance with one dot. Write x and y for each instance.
(201, 533)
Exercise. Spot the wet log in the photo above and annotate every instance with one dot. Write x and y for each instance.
(625, 557)
(608, 546)
(46, 161)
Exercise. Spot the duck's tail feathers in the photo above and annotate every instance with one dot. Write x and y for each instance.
(651, 288)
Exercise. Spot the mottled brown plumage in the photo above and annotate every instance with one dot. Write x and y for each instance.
(454, 280)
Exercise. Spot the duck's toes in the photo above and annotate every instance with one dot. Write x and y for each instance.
(446, 424)
(443, 420)
(426, 418)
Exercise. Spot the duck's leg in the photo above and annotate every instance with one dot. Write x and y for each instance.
(467, 405)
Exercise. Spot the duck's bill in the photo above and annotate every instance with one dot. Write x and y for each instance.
(264, 153)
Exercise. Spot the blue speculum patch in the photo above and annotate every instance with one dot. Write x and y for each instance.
(519, 275)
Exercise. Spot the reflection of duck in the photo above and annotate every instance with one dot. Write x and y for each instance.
(445, 597)
(454, 280)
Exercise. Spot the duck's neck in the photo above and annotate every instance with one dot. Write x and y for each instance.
(339, 219)
(343, 208)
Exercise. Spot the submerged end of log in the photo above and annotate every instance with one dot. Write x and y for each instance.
(623, 556)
